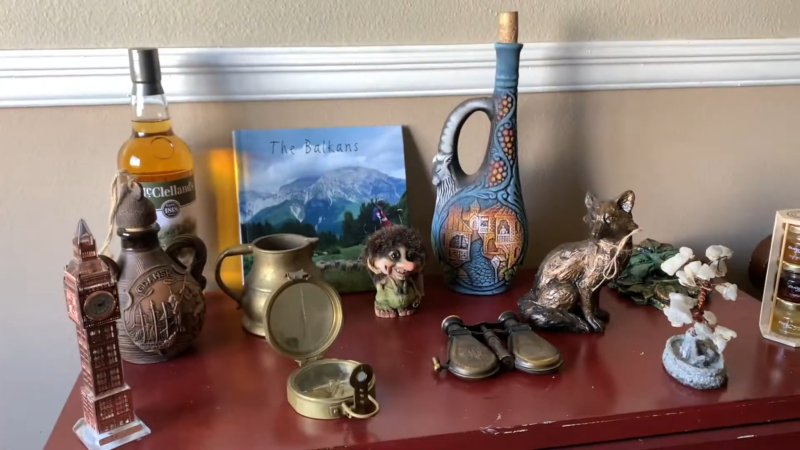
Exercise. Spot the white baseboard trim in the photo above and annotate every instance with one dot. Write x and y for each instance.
(100, 77)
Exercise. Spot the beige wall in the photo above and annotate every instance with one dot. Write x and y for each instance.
(202, 23)
(708, 166)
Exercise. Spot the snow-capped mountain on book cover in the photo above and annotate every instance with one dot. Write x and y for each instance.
(338, 184)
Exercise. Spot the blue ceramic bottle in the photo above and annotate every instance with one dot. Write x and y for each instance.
(479, 228)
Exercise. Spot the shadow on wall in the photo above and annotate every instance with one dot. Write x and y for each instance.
(558, 183)
(421, 196)
(216, 175)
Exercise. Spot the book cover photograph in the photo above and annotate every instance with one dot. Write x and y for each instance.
(339, 185)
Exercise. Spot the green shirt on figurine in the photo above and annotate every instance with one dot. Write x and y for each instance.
(395, 258)
(396, 295)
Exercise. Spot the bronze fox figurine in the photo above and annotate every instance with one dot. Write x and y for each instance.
(565, 293)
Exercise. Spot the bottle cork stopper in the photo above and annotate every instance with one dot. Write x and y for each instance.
(508, 27)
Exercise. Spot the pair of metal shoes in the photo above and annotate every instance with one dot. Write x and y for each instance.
(476, 351)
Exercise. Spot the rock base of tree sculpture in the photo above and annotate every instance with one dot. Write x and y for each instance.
(703, 370)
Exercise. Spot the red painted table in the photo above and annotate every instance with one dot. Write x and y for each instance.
(230, 392)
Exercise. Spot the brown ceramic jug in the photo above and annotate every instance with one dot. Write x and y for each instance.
(162, 302)
(275, 258)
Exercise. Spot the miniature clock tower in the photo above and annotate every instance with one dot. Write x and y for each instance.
(90, 286)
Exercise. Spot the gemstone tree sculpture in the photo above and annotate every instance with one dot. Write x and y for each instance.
(695, 357)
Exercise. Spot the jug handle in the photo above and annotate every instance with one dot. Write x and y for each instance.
(236, 250)
(200, 255)
(111, 265)
(448, 143)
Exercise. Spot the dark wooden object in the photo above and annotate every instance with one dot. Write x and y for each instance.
(230, 392)
(757, 267)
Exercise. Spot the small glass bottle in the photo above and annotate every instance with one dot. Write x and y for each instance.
(789, 283)
(791, 252)
(786, 318)
(154, 155)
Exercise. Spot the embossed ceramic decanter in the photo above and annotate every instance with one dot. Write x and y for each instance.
(161, 300)
(479, 229)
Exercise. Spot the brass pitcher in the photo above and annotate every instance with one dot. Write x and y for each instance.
(274, 258)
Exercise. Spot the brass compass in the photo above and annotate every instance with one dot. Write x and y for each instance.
(303, 318)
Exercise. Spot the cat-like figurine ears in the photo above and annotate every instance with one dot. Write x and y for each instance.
(625, 201)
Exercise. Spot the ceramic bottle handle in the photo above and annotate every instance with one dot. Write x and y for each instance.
(200, 255)
(236, 250)
(448, 143)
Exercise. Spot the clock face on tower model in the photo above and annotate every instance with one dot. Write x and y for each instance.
(99, 305)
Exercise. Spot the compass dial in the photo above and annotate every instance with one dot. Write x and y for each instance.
(99, 306)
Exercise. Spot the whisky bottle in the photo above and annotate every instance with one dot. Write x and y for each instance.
(154, 155)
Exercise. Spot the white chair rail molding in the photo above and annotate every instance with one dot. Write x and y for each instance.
(100, 76)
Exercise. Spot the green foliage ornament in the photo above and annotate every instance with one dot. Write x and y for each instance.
(643, 281)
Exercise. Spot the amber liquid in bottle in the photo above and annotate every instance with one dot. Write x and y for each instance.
(160, 160)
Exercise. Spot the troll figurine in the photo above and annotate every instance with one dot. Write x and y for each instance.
(565, 294)
(395, 258)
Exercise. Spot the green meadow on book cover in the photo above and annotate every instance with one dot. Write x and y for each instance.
(337, 184)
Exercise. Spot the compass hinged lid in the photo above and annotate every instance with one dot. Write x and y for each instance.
(303, 317)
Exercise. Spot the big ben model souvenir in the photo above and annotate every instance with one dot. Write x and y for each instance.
(90, 287)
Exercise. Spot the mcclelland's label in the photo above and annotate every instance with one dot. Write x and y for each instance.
(174, 201)
(161, 192)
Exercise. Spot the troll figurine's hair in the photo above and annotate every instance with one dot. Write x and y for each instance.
(385, 240)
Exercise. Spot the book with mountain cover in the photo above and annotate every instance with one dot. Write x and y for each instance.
(337, 184)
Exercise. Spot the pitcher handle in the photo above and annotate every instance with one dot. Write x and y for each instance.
(448, 143)
(236, 250)
(200, 255)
